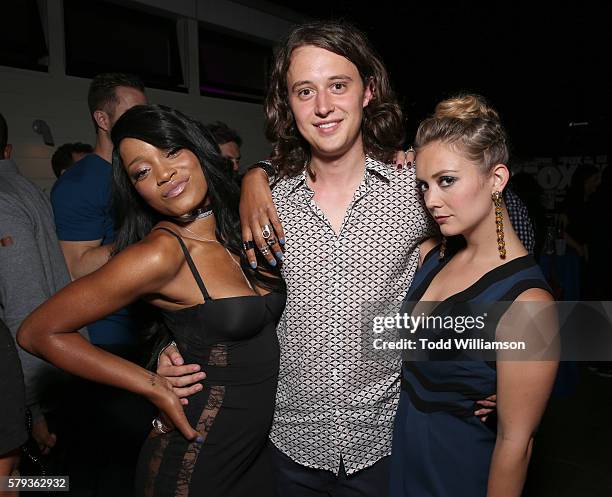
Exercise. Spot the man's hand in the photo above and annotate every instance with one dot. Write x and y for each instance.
(181, 377)
(45, 440)
(162, 395)
(489, 404)
(259, 219)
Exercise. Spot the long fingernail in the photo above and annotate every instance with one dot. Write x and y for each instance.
(199, 440)
(279, 255)
(254, 265)
(272, 262)
(281, 241)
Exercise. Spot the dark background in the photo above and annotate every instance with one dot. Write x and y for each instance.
(541, 67)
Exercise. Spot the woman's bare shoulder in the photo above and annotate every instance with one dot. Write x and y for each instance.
(159, 252)
(535, 295)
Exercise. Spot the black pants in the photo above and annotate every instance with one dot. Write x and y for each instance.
(295, 480)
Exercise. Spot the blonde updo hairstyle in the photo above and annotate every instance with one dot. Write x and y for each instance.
(471, 126)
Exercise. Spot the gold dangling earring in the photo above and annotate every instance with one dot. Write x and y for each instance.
(499, 224)
(442, 248)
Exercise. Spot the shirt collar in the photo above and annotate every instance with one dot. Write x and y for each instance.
(296, 181)
(380, 168)
(372, 165)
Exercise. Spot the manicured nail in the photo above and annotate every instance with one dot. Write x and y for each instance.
(281, 241)
(279, 255)
(254, 265)
(199, 440)
(272, 262)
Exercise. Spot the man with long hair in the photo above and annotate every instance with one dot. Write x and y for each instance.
(353, 222)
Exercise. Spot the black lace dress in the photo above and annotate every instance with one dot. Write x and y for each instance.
(234, 340)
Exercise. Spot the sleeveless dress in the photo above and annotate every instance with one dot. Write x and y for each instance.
(234, 340)
(440, 448)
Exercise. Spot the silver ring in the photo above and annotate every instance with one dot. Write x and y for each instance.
(271, 241)
(160, 427)
(265, 231)
(264, 250)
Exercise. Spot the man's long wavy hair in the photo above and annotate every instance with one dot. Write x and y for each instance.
(382, 129)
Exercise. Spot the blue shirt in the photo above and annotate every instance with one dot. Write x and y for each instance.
(81, 206)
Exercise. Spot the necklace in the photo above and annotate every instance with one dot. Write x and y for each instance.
(202, 239)
(199, 213)
(202, 213)
(197, 237)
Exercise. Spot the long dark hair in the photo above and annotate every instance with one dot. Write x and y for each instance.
(381, 127)
(171, 130)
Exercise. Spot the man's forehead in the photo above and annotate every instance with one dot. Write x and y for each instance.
(317, 61)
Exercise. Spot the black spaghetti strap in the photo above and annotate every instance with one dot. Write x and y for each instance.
(190, 263)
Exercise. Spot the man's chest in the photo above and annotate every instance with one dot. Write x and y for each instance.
(373, 242)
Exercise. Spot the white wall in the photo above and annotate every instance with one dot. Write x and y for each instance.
(61, 100)
(62, 103)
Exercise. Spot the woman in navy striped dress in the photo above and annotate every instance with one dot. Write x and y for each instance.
(440, 449)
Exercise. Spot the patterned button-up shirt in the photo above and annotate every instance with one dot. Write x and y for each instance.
(333, 403)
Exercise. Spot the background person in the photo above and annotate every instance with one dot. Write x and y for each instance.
(81, 200)
(229, 142)
(13, 432)
(67, 154)
(28, 241)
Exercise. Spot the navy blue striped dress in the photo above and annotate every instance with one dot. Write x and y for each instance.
(440, 449)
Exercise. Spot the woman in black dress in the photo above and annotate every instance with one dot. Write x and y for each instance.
(179, 248)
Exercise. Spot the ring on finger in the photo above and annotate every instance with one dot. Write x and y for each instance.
(247, 245)
(271, 241)
(266, 231)
(160, 427)
(264, 250)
